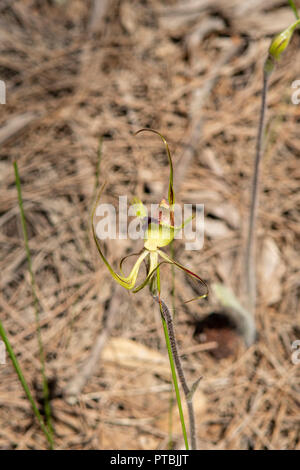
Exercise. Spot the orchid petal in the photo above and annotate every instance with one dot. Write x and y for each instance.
(161, 234)
(129, 281)
(148, 278)
(140, 210)
(171, 194)
(125, 258)
(190, 273)
(158, 235)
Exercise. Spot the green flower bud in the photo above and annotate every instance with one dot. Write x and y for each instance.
(278, 45)
(281, 41)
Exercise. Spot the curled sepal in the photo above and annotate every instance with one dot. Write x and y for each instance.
(129, 281)
(125, 258)
(171, 194)
(148, 278)
(190, 273)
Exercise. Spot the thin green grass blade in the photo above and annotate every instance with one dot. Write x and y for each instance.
(24, 385)
(36, 305)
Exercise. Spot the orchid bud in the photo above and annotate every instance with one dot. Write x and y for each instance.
(278, 46)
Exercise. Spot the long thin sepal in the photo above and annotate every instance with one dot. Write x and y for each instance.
(171, 194)
(129, 281)
(190, 273)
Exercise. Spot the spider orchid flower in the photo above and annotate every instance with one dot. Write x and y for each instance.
(158, 232)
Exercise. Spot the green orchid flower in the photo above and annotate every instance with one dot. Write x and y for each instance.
(158, 232)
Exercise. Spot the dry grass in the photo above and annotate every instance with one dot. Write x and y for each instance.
(146, 66)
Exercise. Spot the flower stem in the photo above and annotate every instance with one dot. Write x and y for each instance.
(172, 365)
(175, 354)
(172, 396)
(250, 247)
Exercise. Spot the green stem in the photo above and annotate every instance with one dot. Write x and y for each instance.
(171, 410)
(24, 385)
(173, 370)
(250, 247)
(36, 304)
(172, 397)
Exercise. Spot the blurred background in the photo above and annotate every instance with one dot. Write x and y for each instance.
(77, 71)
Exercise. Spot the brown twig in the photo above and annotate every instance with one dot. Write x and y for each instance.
(16, 125)
(98, 12)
